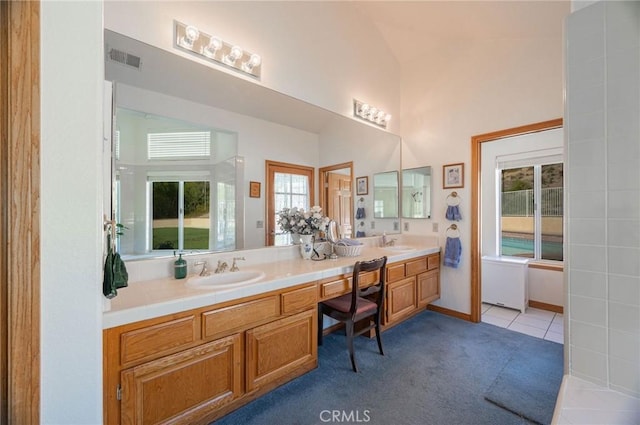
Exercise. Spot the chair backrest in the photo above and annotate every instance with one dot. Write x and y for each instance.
(368, 266)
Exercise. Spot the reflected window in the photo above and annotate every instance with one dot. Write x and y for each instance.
(532, 211)
(180, 215)
(290, 190)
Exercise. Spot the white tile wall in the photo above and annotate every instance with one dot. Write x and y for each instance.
(602, 123)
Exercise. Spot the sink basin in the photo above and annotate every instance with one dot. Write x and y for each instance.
(400, 248)
(225, 280)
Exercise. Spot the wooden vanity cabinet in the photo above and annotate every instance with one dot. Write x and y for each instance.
(195, 366)
(411, 285)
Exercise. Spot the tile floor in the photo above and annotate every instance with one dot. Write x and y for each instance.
(535, 322)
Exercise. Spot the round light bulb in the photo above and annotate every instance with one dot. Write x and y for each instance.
(236, 53)
(364, 109)
(191, 34)
(214, 45)
(255, 60)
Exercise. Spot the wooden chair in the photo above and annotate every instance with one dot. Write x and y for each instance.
(360, 304)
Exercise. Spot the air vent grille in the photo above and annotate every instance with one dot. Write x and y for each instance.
(124, 58)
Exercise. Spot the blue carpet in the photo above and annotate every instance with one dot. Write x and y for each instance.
(436, 370)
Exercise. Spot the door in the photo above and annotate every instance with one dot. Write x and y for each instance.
(288, 186)
(336, 195)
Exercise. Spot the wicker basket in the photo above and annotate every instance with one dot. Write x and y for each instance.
(348, 250)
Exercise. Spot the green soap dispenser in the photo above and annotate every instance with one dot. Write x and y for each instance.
(180, 267)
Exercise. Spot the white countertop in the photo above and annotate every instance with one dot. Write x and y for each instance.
(146, 299)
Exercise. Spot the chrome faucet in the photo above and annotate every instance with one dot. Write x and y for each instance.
(386, 241)
(234, 266)
(222, 266)
(205, 271)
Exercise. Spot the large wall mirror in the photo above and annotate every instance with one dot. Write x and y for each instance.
(248, 124)
(385, 195)
(416, 192)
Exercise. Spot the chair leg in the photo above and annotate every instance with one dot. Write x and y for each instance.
(349, 330)
(378, 337)
(320, 324)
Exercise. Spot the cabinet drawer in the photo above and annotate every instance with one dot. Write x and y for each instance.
(154, 341)
(299, 299)
(433, 262)
(239, 316)
(395, 272)
(342, 286)
(416, 266)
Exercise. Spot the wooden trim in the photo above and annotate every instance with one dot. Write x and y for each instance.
(546, 266)
(545, 306)
(272, 167)
(20, 217)
(449, 312)
(476, 236)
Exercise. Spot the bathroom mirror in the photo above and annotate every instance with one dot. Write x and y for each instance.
(385, 195)
(416, 192)
(266, 125)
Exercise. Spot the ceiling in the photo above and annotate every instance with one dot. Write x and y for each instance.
(413, 28)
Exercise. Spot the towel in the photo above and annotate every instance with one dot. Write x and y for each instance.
(115, 272)
(453, 213)
(360, 213)
(360, 234)
(452, 252)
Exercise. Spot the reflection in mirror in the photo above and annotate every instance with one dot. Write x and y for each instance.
(267, 125)
(175, 185)
(335, 196)
(385, 195)
(416, 193)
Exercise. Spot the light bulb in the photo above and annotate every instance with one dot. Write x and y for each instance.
(215, 44)
(254, 60)
(191, 34)
(372, 114)
(235, 53)
(387, 117)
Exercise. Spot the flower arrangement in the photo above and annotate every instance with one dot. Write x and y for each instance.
(297, 220)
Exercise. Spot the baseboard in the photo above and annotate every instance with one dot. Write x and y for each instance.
(545, 306)
(449, 312)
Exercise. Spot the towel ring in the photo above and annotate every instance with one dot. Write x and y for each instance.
(452, 228)
(453, 199)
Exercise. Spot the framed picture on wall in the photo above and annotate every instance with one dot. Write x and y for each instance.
(453, 176)
(362, 185)
(254, 189)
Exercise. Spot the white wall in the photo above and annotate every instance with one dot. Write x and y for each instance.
(320, 52)
(464, 89)
(603, 192)
(71, 204)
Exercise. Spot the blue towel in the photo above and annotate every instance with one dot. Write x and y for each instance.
(452, 252)
(453, 213)
(359, 234)
(360, 213)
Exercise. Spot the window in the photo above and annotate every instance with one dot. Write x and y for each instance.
(180, 212)
(532, 211)
(179, 145)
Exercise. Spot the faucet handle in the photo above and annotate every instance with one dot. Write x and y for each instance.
(234, 266)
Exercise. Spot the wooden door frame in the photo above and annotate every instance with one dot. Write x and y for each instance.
(269, 209)
(322, 179)
(476, 210)
(20, 212)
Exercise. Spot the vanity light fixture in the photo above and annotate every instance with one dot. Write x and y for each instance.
(214, 49)
(371, 114)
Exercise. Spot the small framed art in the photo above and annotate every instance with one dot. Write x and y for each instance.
(453, 176)
(362, 185)
(254, 189)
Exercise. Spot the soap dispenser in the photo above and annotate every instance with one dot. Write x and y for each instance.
(180, 267)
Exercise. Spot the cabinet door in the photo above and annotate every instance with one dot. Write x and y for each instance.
(280, 348)
(184, 387)
(428, 287)
(401, 298)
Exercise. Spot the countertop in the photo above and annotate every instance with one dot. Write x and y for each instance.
(147, 299)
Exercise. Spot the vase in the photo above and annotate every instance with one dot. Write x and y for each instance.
(295, 238)
(306, 246)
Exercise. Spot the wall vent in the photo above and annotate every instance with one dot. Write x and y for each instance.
(124, 58)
